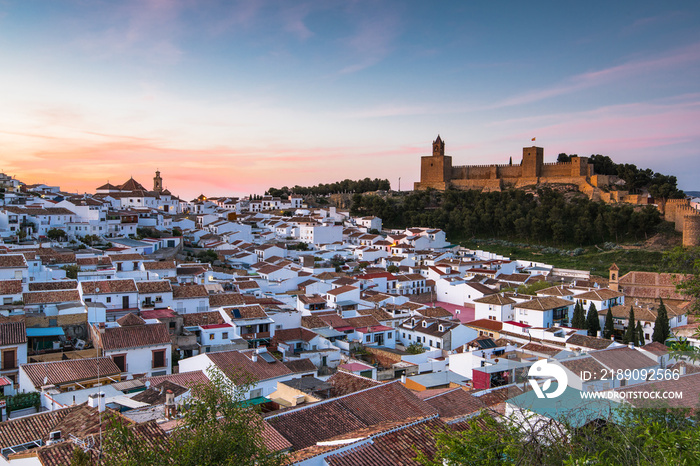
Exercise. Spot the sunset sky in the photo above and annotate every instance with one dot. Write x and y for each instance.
(234, 97)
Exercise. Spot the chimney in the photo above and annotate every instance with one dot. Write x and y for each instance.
(101, 326)
(403, 379)
(169, 404)
(612, 337)
(600, 334)
(630, 345)
(254, 357)
(97, 400)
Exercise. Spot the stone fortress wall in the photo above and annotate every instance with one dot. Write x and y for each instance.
(437, 172)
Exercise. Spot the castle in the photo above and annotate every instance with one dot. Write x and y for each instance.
(438, 172)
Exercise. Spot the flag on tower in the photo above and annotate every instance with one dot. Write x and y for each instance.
(534, 139)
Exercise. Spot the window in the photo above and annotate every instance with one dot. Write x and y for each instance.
(211, 336)
(9, 359)
(120, 361)
(109, 299)
(437, 344)
(224, 335)
(368, 338)
(257, 393)
(158, 359)
(404, 334)
(388, 335)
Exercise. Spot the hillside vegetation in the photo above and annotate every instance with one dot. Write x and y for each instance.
(543, 217)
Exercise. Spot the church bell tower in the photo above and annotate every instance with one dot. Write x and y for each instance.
(157, 183)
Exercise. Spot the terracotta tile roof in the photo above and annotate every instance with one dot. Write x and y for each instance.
(53, 285)
(313, 322)
(155, 394)
(46, 297)
(398, 446)
(186, 379)
(645, 312)
(586, 341)
(580, 365)
(544, 304)
(656, 348)
(254, 311)
(436, 311)
(109, 286)
(190, 291)
(158, 265)
(273, 440)
(543, 349)
(12, 333)
(134, 336)
(300, 365)
(312, 299)
(487, 324)
(622, 358)
(495, 299)
(202, 318)
(10, 287)
(599, 295)
(293, 334)
(688, 385)
(556, 291)
(12, 261)
(379, 314)
(130, 319)
(126, 257)
(29, 428)
(363, 321)
(304, 427)
(226, 299)
(69, 370)
(232, 363)
(455, 403)
(154, 286)
(341, 290)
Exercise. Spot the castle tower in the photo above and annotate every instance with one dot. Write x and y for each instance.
(157, 183)
(614, 278)
(691, 231)
(533, 159)
(438, 147)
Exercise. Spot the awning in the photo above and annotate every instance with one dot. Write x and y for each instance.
(260, 400)
(45, 332)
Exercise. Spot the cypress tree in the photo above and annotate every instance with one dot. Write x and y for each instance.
(609, 328)
(662, 328)
(640, 335)
(630, 335)
(579, 319)
(592, 321)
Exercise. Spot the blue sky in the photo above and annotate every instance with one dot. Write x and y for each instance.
(234, 97)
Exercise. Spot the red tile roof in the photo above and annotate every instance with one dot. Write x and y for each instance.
(12, 333)
(69, 370)
(109, 286)
(133, 336)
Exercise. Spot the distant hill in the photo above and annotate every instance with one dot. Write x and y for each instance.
(693, 193)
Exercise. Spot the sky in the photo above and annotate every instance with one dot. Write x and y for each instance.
(233, 97)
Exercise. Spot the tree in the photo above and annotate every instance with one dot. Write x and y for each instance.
(217, 428)
(592, 321)
(662, 327)
(562, 158)
(686, 261)
(650, 437)
(55, 234)
(609, 327)
(640, 335)
(630, 335)
(579, 319)
(415, 348)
